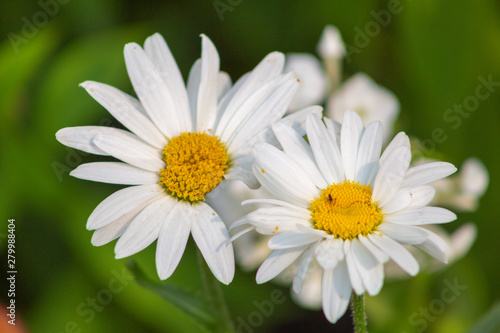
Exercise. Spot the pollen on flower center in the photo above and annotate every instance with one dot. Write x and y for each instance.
(196, 164)
(346, 210)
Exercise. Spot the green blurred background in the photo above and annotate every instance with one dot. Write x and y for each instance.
(431, 55)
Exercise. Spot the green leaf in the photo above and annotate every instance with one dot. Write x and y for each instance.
(490, 321)
(191, 304)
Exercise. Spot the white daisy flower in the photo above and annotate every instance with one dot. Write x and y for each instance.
(370, 100)
(341, 202)
(184, 141)
(463, 190)
(330, 44)
(313, 81)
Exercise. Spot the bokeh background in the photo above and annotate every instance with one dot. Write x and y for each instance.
(431, 55)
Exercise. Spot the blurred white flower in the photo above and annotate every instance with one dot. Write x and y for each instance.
(330, 44)
(370, 100)
(313, 83)
(459, 243)
(463, 190)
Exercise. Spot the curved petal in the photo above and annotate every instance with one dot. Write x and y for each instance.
(336, 292)
(131, 150)
(207, 95)
(297, 148)
(369, 268)
(121, 107)
(350, 137)
(380, 255)
(155, 95)
(270, 67)
(172, 240)
(422, 215)
(427, 173)
(211, 237)
(120, 203)
(391, 175)
(281, 176)
(397, 252)
(325, 150)
(193, 89)
(405, 234)
(421, 196)
(291, 239)
(277, 261)
(302, 269)
(401, 139)
(399, 201)
(144, 228)
(354, 275)
(114, 173)
(370, 147)
(82, 137)
(158, 51)
(268, 111)
(330, 252)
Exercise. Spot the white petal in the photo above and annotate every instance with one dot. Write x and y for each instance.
(354, 276)
(193, 89)
(336, 292)
(120, 203)
(114, 173)
(277, 261)
(391, 175)
(112, 231)
(144, 228)
(350, 137)
(116, 228)
(405, 234)
(81, 137)
(242, 170)
(370, 270)
(121, 106)
(326, 151)
(369, 152)
(172, 240)
(270, 67)
(302, 269)
(427, 173)
(281, 176)
(380, 255)
(271, 220)
(131, 150)
(211, 237)
(461, 240)
(399, 201)
(329, 253)
(422, 215)
(401, 139)
(223, 84)
(155, 95)
(297, 148)
(397, 252)
(207, 95)
(271, 106)
(435, 246)
(290, 239)
(158, 51)
(421, 196)
(296, 120)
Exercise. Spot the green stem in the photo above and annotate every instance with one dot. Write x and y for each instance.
(215, 298)
(358, 313)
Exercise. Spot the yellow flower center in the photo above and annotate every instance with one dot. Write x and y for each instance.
(346, 210)
(196, 164)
